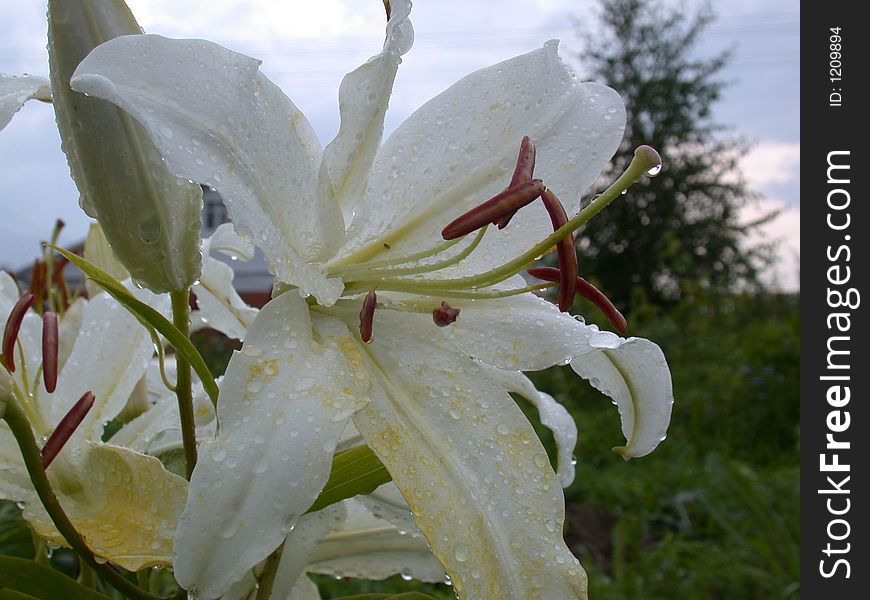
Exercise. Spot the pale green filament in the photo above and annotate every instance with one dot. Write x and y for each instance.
(392, 261)
(375, 274)
(161, 357)
(409, 286)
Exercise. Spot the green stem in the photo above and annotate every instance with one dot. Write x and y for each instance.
(20, 428)
(183, 382)
(270, 570)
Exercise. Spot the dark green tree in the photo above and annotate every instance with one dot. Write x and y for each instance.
(681, 230)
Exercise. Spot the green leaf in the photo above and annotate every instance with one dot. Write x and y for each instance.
(30, 579)
(149, 317)
(354, 471)
(15, 537)
(13, 595)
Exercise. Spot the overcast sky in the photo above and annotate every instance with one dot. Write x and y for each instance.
(306, 48)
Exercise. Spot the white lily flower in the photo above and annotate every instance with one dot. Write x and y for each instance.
(124, 503)
(358, 216)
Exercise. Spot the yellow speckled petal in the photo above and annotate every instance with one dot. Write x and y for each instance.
(470, 466)
(124, 504)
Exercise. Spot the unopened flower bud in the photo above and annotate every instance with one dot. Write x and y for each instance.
(150, 217)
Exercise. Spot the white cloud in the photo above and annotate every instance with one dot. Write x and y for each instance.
(771, 163)
(785, 231)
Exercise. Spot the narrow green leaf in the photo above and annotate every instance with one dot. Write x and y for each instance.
(354, 471)
(6, 594)
(149, 316)
(28, 578)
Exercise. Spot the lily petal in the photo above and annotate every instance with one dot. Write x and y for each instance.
(459, 149)
(125, 505)
(369, 547)
(469, 465)
(70, 325)
(518, 333)
(362, 102)
(248, 140)
(284, 403)
(554, 417)
(300, 543)
(15, 91)
(635, 374)
(113, 339)
(220, 306)
(98, 251)
(225, 240)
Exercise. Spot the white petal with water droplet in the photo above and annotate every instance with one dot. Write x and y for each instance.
(284, 402)
(486, 498)
(636, 376)
(362, 100)
(15, 91)
(219, 121)
(554, 417)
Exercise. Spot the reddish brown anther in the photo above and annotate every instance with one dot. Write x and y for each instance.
(588, 291)
(500, 205)
(49, 351)
(13, 325)
(444, 315)
(523, 172)
(367, 316)
(565, 251)
(67, 426)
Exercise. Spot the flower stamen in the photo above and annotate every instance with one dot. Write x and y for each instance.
(49, 351)
(375, 274)
(367, 316)
(506, 203)
(444, 315)
(588, 291)
(67, 426)
(13, 326)
(564, 249)
(523, 172)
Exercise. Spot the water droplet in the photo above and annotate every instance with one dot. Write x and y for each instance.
(654, 171)
(406, 575)
(461, 553)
